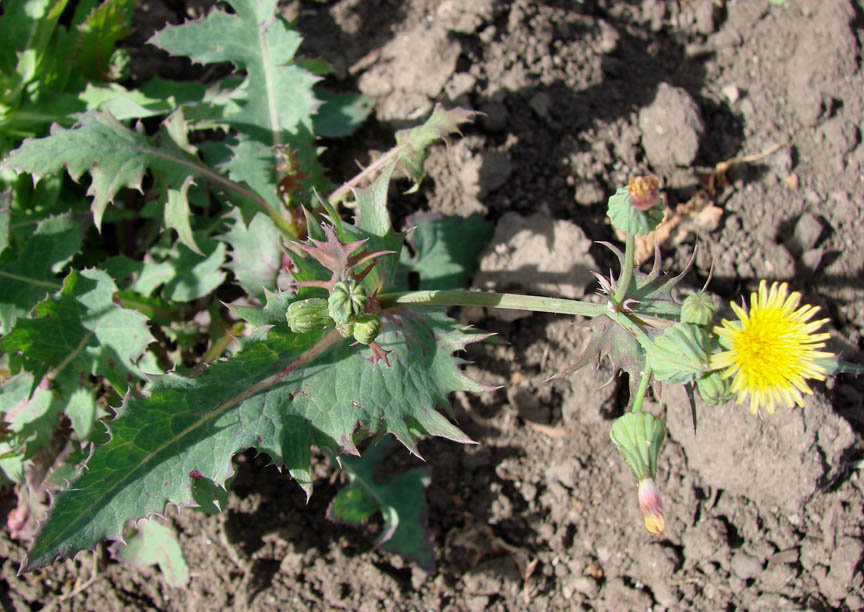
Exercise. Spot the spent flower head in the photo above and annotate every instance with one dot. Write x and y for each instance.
(772, 349)
(639, 437)
(638, 208)
(651, 506)
(644, 192)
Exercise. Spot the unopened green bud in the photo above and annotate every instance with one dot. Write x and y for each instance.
(308, 315)
(679, 354)
(347, 300)
(698, 309)
(629, 218)
(366, 328)
(639, 437)
(346, 330)
(713, 390)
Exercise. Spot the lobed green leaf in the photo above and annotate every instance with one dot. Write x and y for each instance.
(277, 101)
(153, 543)
(31, 419)
(114, 155)
(280, 395)
(182, 274)
(415, 141)
(98, 34)
(256, 253)
(340, 114)
(77, 333)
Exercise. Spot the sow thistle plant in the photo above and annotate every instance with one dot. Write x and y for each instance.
(332, 345)
(767, 354)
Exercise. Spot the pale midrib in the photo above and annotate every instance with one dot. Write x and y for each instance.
(31, 281)
(73, 354)
(269, 87)
(78, 349)
(303, 359)
(205, 172)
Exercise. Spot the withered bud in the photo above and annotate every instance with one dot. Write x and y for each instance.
(651, 506)
(644, 192)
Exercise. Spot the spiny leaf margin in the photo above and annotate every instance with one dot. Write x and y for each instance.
(279, 395)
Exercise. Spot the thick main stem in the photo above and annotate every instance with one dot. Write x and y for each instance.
(226, 183)
(460, 297)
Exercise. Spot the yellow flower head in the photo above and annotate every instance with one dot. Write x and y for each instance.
(772, 349)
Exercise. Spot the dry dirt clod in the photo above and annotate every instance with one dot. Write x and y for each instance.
(671, 128)
(538, 255)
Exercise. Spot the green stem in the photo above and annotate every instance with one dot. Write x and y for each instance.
(460, 297)
(32, 281)
(379, 164)
(281, 222)
(148, 309)
(221, 345)
(38, 117)
(640, 392)
(627, 269)
(229, 185)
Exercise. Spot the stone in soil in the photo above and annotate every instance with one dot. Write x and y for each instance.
(537, 255)
(671, 128)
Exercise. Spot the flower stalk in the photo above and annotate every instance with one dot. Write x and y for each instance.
(512, 301)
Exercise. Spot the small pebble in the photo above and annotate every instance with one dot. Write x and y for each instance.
(745, 566)
(731, 93)
(807, 231)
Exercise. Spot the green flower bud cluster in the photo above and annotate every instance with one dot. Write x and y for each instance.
(698, 309)
(308, 315)
(366, 328)
(345, 309)
(347, 301)
(346, 330)
(714, 390)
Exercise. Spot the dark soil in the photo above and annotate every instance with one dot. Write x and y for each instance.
(763, 513)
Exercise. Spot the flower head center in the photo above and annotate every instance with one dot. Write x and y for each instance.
(768, 345)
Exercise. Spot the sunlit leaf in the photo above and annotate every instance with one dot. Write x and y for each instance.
(280, 395)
